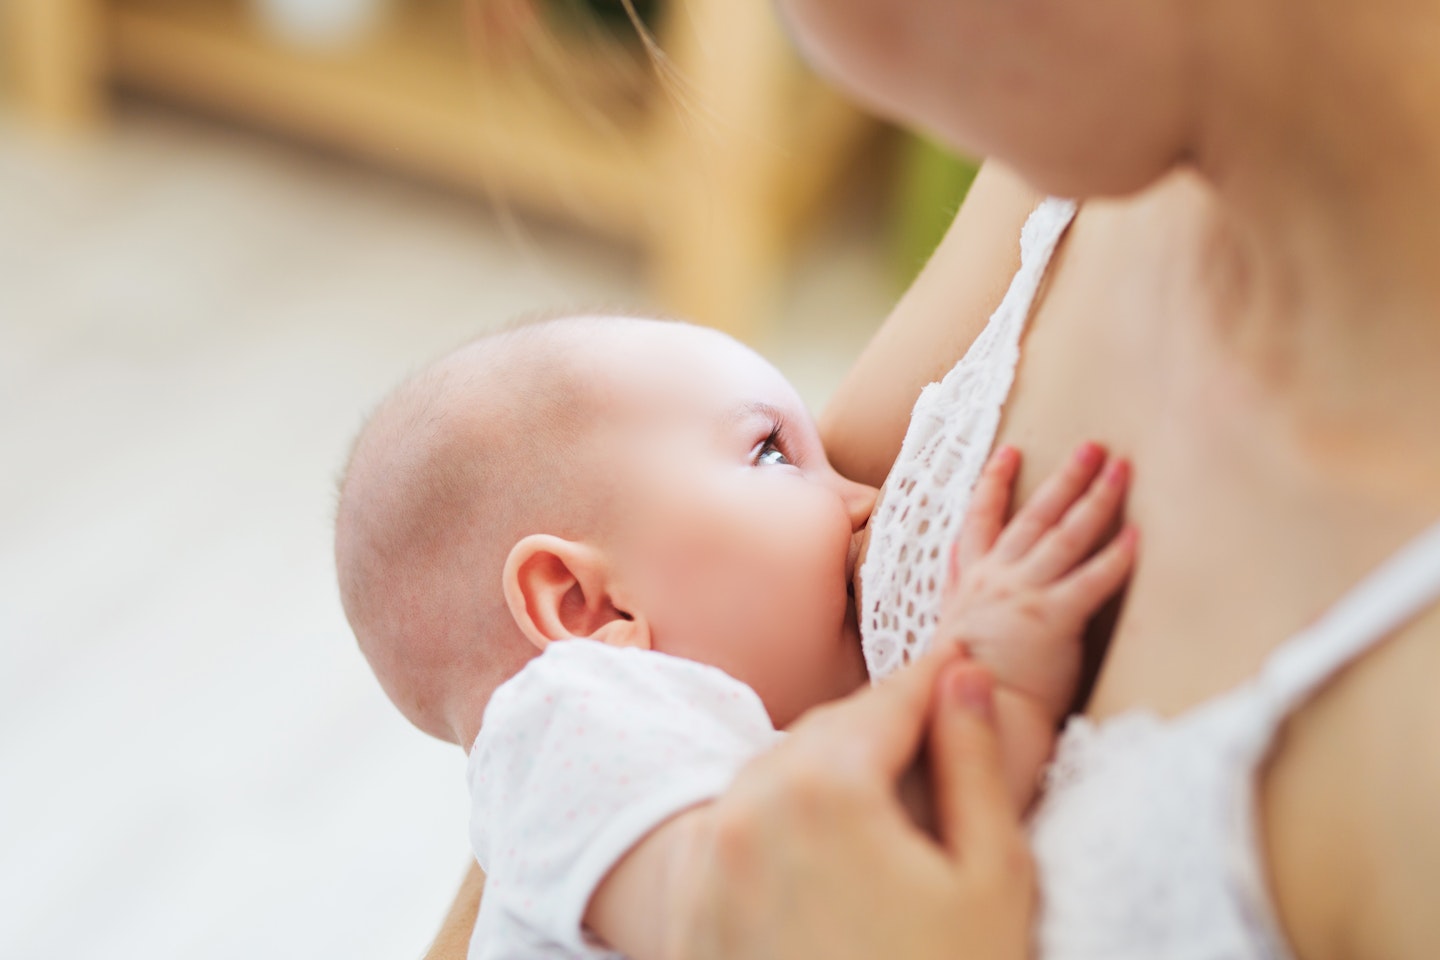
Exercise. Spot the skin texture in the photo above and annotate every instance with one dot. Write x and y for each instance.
(1050, 85)
(934, 323)
(973, 884)
(1253, 325)
(1255, 333)
(730, 538)
(454, 466)
(1019, 598)
(670, 493)
(1017, 594)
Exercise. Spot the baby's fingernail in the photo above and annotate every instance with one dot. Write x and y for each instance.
(1118, 472)
(972, 691)
(1089, 453)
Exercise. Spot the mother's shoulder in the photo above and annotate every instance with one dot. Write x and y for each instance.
(1348, 807)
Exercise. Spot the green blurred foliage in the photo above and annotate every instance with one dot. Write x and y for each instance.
(931, 182)
(610, 13)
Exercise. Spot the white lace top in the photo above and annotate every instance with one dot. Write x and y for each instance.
(951, 431)
(1145, 836)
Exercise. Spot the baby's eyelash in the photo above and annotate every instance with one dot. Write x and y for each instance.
(779, 438)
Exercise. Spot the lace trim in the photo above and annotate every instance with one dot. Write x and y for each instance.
(952, 428)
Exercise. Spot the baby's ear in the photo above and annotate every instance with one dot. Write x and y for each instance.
(557, 589)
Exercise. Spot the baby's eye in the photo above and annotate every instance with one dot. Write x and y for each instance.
(771, 455)
(771, 452)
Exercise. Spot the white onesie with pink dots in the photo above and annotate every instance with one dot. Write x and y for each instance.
(580, 755)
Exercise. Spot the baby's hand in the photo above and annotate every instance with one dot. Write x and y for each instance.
(1019, 594)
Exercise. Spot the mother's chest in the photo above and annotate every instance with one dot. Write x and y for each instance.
(1111, 354)
(1091, 364)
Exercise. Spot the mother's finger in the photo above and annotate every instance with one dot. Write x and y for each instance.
(878, 728)
(976, 816)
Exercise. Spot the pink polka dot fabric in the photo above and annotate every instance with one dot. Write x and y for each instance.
(580, 755)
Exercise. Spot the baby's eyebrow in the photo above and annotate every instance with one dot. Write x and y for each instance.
(754, 410)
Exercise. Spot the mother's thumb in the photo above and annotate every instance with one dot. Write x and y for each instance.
(976, 816)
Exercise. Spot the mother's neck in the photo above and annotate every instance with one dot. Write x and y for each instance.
(1318, 124)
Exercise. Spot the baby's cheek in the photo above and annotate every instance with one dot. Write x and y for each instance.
(702, 595)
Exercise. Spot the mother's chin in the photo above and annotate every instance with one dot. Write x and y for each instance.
(1081, 99)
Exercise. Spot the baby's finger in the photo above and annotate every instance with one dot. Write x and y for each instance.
(1050, 502)
(985, 516)
(1079, 531)
(1096, 580)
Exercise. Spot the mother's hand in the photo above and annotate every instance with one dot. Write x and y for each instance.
(811, 854)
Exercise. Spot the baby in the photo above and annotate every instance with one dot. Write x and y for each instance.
(619, 543)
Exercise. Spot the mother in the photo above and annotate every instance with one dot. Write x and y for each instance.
(1257, 326)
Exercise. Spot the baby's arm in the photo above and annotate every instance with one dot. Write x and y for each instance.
(590, 762)
(631, 908)
(1018, 595)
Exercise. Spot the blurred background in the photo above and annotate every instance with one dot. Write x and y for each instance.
(226, 228)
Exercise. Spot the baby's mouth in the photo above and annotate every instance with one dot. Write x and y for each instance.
(852, 606)
(859, 545)
(851, 642)
(852, 619)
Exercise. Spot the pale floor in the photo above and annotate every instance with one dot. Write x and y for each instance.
(194, 761)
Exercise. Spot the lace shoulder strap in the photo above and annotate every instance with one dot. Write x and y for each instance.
(952, 428)
(1395, 592)
(996, 351)
(1041, 234)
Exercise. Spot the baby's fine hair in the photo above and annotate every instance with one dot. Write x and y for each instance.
(453, 467)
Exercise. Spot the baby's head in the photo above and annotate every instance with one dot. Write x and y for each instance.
(637, 482)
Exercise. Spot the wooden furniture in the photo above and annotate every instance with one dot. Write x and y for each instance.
(53, 58)
(713, 173)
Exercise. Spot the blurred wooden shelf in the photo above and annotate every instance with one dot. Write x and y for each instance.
(713, 176)
(400, 97)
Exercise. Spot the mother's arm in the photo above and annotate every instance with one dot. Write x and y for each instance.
(1348, 806)
(453, 940)
(930, 328)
